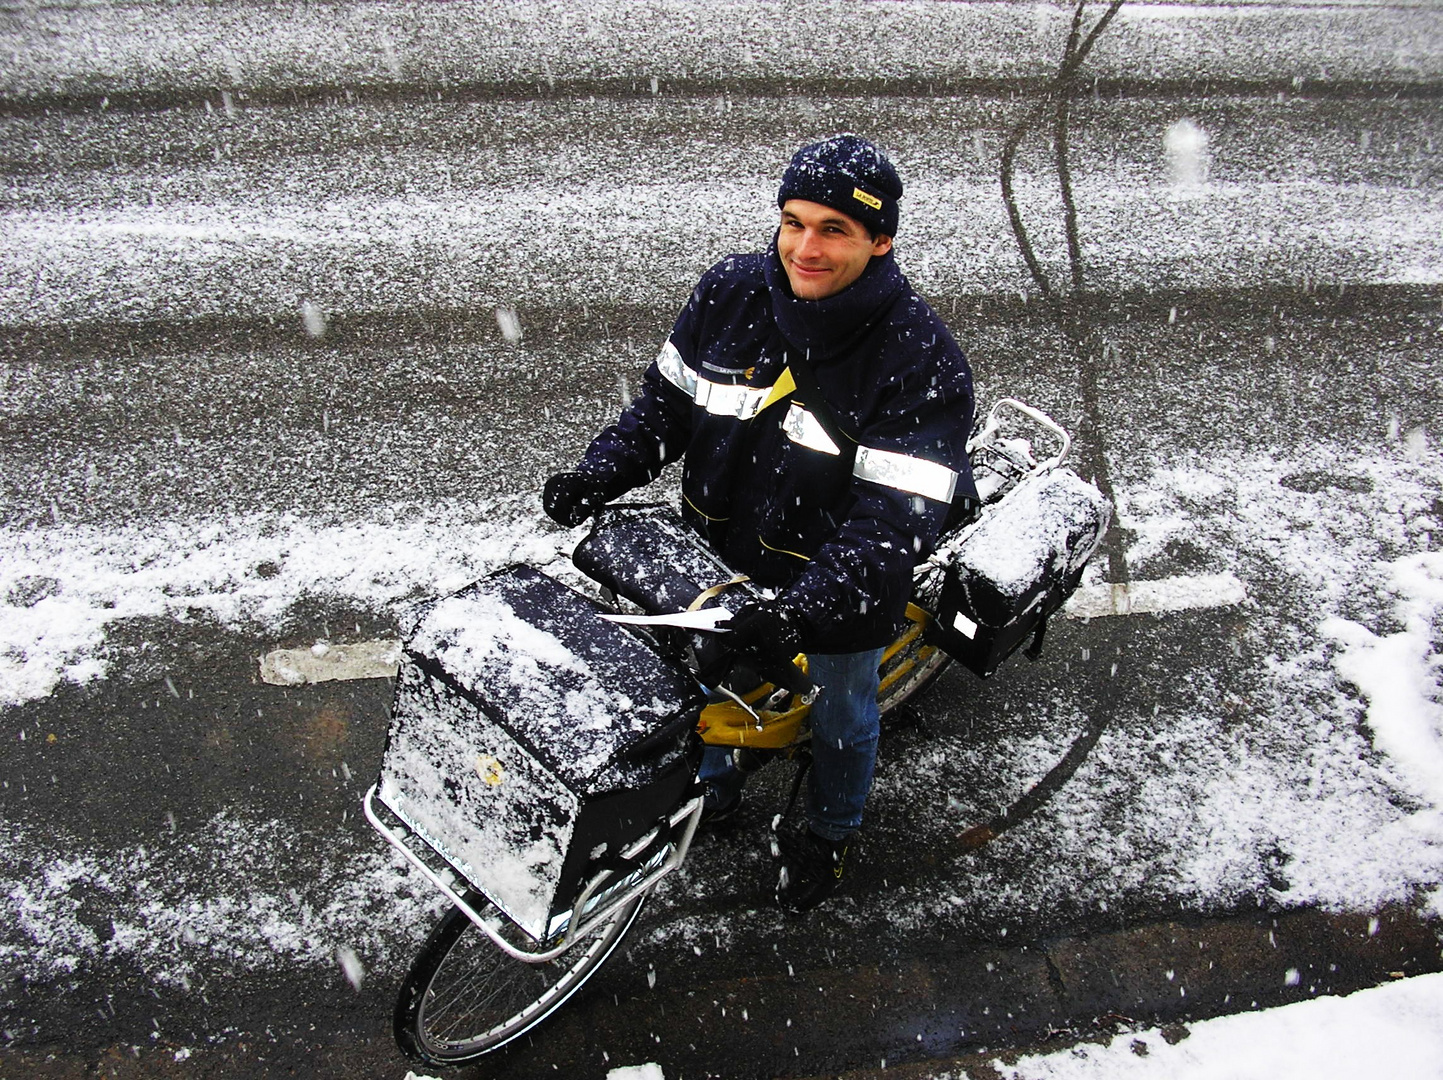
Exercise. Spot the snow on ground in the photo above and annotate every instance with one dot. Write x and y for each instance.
(236, 252)
(62, 588)
(1250, 787)
(1394, 1030)
(129, 47)
(258, 212)
(1342, 736)
(189, 908)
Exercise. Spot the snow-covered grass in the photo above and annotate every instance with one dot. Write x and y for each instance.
(1394, 1030)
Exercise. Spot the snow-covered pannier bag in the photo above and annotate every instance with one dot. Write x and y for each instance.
(530, 739)
(1017, 565)
(647, 554)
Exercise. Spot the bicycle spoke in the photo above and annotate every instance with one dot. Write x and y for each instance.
(464, 996)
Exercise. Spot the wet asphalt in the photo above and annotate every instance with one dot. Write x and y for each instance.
(712, 982)
(137, 387)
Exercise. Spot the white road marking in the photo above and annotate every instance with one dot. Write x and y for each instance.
(323, 662)
(1170, 594)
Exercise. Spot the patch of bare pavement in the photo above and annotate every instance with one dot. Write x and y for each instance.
(244, 416)
(957, 1012)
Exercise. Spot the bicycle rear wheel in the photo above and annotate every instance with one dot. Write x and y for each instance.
(464, 997)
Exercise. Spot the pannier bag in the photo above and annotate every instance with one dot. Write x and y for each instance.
(1017, 565)
(523, 744)
(647, 554)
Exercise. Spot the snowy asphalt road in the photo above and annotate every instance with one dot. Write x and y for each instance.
(190, 478)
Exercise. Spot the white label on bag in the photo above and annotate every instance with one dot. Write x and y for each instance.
(964, 625)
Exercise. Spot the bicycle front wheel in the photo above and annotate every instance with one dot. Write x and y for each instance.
(464, 997)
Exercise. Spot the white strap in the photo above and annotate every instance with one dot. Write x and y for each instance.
(804, 429)
(705, 619)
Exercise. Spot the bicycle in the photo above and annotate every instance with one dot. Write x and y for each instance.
(523, 936)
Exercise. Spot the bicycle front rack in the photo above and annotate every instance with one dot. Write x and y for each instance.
(603, 896)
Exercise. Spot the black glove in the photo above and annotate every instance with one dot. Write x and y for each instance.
(569, 498)
(764, 632)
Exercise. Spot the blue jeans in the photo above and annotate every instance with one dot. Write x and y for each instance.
(844, 722)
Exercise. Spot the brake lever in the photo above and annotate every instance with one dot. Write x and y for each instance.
(790, 677)
(785, 674)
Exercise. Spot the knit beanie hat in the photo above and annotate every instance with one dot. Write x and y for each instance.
(849, 174)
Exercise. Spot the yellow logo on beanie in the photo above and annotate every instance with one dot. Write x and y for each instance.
(862, 197)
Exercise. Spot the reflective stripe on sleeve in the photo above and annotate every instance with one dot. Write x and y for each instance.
(916, 476)
(674, 370)
(804, 429)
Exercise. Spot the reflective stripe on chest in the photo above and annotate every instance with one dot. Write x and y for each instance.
(902, 472)
(804, 429)
(719, 399)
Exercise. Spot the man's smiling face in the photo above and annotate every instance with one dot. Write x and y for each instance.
(823, 250)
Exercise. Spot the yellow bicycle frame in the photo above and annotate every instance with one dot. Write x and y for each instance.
(726, 723)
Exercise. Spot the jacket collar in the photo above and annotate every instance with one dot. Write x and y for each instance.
(824, 328)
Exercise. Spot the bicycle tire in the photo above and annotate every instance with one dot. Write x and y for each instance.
(464, 997)
(911, 665)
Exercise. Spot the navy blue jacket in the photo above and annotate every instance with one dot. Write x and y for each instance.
(835, 529)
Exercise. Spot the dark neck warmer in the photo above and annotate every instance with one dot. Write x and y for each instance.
(824, 328)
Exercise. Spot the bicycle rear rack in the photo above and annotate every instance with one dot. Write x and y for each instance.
(603, 896)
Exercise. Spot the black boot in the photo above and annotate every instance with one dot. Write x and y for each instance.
(716, 814)
(812, 868)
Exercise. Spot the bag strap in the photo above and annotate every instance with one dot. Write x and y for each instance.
(716, 590)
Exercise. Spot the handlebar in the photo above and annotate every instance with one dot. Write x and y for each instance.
(1038, 417)
(790, 677)
(708, 626)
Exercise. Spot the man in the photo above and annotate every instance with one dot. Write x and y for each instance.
(821, 411)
